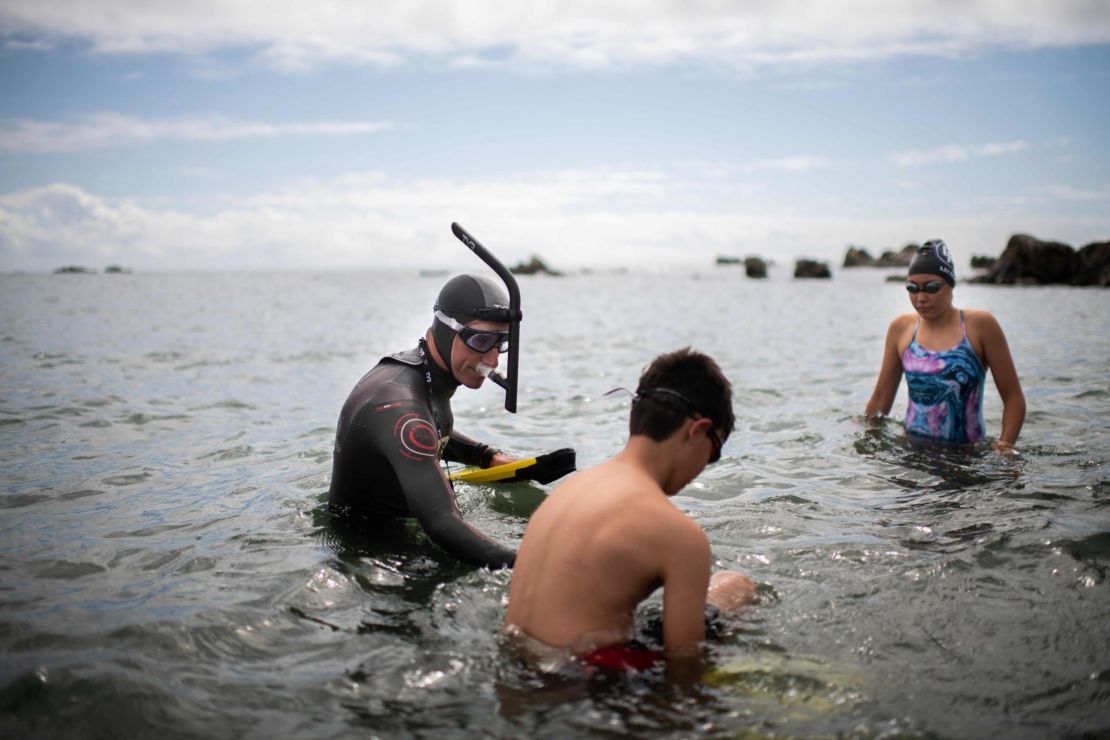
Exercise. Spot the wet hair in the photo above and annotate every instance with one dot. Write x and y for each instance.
(933, 258)
(673, 388)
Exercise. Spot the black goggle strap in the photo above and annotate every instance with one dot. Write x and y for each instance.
(654, 394)
(512, 315)
(500, 314)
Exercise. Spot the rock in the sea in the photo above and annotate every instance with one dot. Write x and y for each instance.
(1093, 265)
(1030, 261)
(724, 260)
(811, 269)
(74, 270)
(982, 262)
(533, 266)
(755, 267)
(860, 257)
(902, 258)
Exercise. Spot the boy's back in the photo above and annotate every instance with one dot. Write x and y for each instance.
(601, 543)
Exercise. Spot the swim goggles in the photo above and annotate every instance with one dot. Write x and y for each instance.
(479, 340)
(710, 431)
(930, 287)
(717, 443)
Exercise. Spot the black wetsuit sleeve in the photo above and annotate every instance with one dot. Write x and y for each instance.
(463, 449)
(406, 439)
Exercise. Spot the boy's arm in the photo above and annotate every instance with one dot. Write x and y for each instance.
(685, 583)
(729, 590)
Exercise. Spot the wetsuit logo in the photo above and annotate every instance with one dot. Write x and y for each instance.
(417, 436)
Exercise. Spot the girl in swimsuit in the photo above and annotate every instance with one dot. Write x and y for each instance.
(945, 353)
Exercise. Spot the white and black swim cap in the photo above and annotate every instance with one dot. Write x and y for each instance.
(466, 298)
(933, 258)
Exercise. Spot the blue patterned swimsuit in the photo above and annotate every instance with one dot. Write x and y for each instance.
(945, 389)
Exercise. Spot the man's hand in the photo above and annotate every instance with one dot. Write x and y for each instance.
(500, 458)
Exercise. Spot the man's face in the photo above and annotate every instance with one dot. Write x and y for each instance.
(465, 361)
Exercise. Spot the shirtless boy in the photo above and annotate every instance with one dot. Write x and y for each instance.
(609, 536)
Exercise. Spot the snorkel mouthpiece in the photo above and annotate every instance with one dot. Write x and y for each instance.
(489, 372)
(494, 311)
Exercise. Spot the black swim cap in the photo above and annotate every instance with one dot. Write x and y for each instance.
(466, 298)
(933, 258)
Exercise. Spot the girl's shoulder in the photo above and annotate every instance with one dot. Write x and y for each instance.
(978, 319)
(903, 323)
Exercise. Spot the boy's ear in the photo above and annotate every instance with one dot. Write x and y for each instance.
(698, 426)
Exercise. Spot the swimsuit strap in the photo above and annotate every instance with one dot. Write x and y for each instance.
(915, 328)
(963, 325)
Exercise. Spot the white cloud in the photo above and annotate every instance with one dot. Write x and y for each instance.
(581, 33)
(796, 164)
(1069, 193)
(571, 218)
(954, 153)
(110, 130)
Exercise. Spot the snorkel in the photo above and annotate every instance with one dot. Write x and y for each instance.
(512, 316)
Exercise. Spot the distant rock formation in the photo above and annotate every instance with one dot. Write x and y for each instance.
(755, 267)
(533, 266)
(724, 260)
(1030, 261)
(811, 269)
(74, 270)
(982, 262)
(117, 270)
(860, 257)
(1092, 265)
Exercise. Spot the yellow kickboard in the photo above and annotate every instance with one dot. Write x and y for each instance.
(496, 473)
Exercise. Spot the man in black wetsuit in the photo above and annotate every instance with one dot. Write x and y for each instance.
(397, 423)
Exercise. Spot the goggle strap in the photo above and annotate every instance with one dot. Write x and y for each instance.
(459, 328)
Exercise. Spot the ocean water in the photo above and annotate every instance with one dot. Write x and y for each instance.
(168, 570)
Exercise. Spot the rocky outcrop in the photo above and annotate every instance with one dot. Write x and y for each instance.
(811, 269)
(860, 257)
(1093, 265)
(726, 260)
(755, 267)
(982, 262)
(74, 270)
(534, 266)
(1030, 261)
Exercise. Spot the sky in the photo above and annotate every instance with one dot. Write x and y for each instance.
(280, 134)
